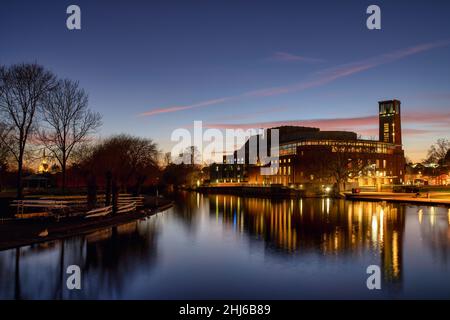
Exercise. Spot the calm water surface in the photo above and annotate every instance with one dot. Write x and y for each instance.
(228, 247)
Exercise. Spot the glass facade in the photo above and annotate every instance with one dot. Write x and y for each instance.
(360, 146)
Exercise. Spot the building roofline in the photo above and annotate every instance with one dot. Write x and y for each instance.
(391, 100)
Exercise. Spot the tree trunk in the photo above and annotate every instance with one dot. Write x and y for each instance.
(139, 182)
(114, 190)
(63, 171)
(92, 191)
(108, 189)
(19, 176)
(17, 288)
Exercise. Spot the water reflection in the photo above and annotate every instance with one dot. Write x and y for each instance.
(327, 226)
(224, 246)
(435, 230)
(104, 257)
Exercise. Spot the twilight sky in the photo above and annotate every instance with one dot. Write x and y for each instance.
(153, 66)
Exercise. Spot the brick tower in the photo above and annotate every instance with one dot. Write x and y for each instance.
(390, 122)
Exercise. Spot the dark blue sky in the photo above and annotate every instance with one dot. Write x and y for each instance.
(244, 62)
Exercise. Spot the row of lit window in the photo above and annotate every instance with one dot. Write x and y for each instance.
(288, 160)
(281, 170)
(358, 146)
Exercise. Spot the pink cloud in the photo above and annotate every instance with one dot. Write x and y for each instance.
(289, 57)
(373, 132)
(430, 117)
(319, 79)
(367, 126)
(325, 124)
(186, 107)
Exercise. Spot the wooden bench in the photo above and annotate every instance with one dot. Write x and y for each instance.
(48, 205)
(125, 208)
(100, 212)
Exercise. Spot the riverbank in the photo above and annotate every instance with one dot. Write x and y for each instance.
(276, 191)
(433, 198)
(16, 233)
(257, 191)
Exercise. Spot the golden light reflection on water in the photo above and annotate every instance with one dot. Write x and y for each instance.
(198, 200)
(332, 226)
(432, 216)
(395, 254)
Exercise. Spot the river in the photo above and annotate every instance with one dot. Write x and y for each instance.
(230, 247)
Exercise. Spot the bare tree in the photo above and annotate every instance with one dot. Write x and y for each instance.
(67, 122)
(124, 161)
(438, 151)
(4, 157)
(143, 159)
(191, 155)
(342, 166)
(22, 88)
(336, 167)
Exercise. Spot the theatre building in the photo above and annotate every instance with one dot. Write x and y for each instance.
(309, 156)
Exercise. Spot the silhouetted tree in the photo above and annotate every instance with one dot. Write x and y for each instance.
(438, 151)
(4, 159)
(22, 88)
(339, 167)
(67, 122)
(446, 160)
(124, 161)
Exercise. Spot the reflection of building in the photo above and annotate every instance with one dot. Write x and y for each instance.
(302, 149)
(328, 226)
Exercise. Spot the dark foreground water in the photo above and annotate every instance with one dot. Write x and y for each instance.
(232, 247)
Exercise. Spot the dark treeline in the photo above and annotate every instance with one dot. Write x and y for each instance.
(39, 111)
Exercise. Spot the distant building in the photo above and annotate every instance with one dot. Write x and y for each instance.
(301, 149)
(44, 167)
(427, 174)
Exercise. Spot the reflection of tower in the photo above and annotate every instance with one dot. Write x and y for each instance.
(44, 166)
(390, 122)
(391, 252)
